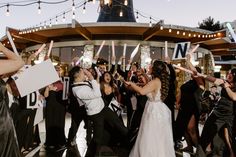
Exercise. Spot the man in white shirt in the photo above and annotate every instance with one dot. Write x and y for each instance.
(89, 93)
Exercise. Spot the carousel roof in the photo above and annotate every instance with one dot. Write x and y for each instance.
(217, 42)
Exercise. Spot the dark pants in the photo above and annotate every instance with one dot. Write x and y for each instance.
(76, 119)
(110, 119)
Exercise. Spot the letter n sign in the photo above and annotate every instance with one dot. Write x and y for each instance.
(180, 50)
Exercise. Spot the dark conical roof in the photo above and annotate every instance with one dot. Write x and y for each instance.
(112, 13)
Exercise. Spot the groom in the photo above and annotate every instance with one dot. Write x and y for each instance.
(89, 93)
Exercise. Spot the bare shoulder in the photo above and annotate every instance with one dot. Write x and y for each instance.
(157, 81)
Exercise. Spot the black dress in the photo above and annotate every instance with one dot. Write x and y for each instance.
(8, 141)
(55, 119)
(221, 117)
(188, 107)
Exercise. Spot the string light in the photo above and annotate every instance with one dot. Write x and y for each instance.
(39, 7)
(45, 26)
(126, 2)
(137, 15)
(194, 35)
(170, 30)
(189, 35)
(150, 23)
(64, 17)
(94, 1)
(73, 6)
(84, 9)
(183, 33)
(50, 24)
(178, 32)
(56, 22)
(121, 13)
(73, 15)
(7, 12)
(81, 4)
(161, 28)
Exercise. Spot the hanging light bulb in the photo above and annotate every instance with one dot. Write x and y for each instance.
(126, 2)
(161, 28)
(73, 5)
(39, 8)
(137, 16)
(73, 15)
(7, 12)
(121, 13)
(84, 9)
(178, 32)
(64, 17)
(94, 1)
(50, 24)
(56, 22)
(150, 23)
(170, 30)
(183, 33)
(45, 26)
(40, 26)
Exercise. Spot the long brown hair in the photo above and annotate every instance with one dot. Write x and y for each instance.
(159, 70)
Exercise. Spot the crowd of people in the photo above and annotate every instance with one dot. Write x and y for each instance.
(97, 96)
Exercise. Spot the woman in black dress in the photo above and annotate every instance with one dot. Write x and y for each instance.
(220, 121)
(187, 119)
(109, 89)
(8, 140)
(55, 115)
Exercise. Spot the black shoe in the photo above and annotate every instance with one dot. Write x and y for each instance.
(178, 145)
(188, 149)
(60, 148)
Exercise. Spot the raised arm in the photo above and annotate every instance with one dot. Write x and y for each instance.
(119, 70)
(13, 63)
(113, 64)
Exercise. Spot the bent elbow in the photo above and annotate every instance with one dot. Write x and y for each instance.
(234, 98)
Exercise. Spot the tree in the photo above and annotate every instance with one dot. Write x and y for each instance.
(210, 24)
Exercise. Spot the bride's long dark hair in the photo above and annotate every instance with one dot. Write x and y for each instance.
(159, 70)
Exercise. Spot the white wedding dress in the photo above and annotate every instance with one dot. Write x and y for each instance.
(155, 137)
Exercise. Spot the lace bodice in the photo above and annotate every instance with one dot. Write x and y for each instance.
(157, 97)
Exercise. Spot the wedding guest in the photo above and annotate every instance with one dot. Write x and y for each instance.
(8, 142)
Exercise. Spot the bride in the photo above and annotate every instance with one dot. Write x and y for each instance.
(155, 133)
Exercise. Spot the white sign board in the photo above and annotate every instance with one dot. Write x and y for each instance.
(66, 81)
(33, 100)
(35, 78)
(38, 116)
(181, 50)
(231, 31)
(115, 107)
